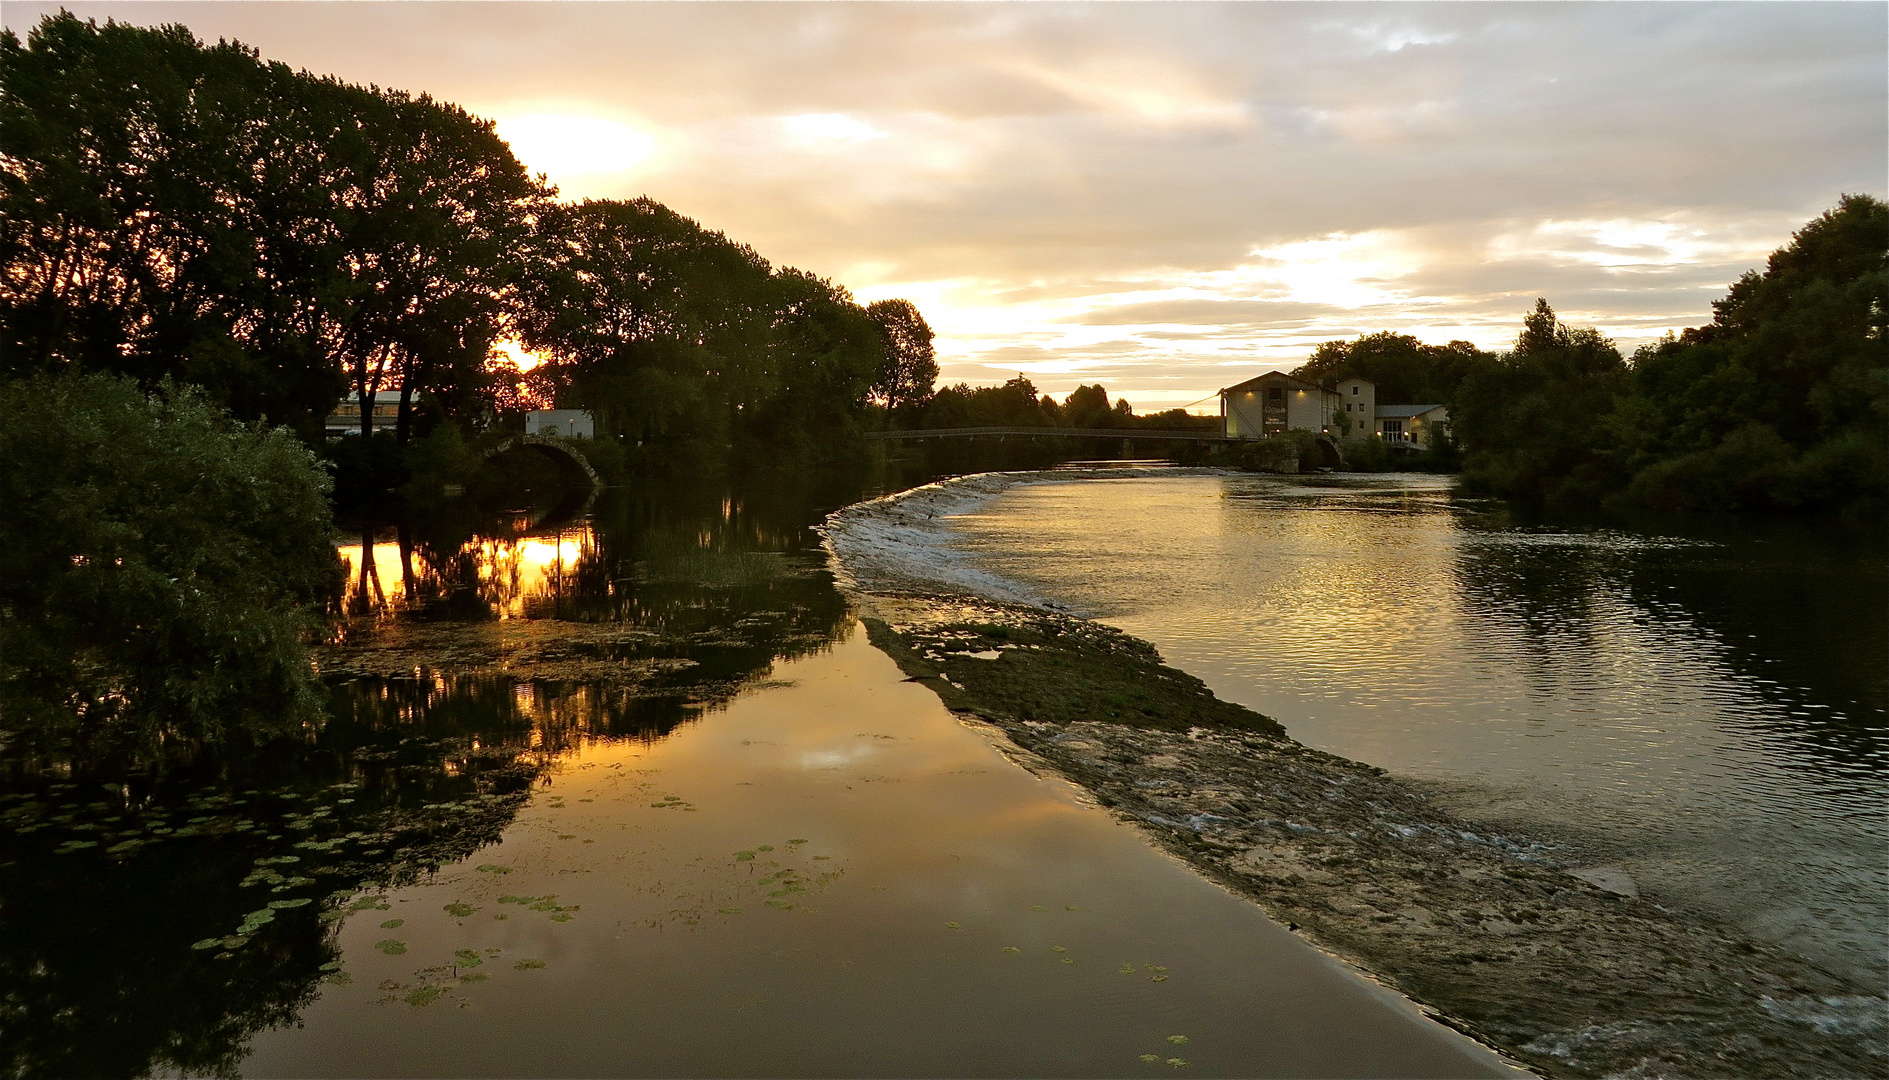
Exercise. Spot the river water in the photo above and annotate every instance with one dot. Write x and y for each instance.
(1697, 711)
(641, 801)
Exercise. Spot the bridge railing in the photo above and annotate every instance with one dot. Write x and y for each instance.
(1172, 434)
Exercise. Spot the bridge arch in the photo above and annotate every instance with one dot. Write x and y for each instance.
(575, 467)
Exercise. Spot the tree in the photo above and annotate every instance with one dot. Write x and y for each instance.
(161, 566)
(175, 210)
(910, 368)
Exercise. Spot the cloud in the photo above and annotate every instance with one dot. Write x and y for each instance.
(1156, 195)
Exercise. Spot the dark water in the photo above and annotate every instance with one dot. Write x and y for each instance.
(1698, 710)
(767, 856)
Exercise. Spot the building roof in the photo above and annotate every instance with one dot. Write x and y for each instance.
(1273, 377)
(1401, 412)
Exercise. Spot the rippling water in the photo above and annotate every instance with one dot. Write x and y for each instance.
(1697, 711)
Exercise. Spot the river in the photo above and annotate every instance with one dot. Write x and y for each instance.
(627, 793)
(1695, 710)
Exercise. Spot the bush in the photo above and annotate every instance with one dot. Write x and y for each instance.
(160, 569)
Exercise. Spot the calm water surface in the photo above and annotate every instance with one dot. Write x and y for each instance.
(773, 857)
(1702, 711)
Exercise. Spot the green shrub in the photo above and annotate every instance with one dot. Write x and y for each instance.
(161, 567)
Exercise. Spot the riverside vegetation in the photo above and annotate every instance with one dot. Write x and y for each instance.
(204, 252)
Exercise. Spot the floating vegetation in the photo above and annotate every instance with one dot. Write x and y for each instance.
(1012, 948)
(562, 916)
(391, 947)
(1157, 978)
(475, 976)
(371, 903)
(207, 943)
(1152, 1059)
(1126, 969)
(1038, 907)
(458, 910)
(1178, 1040)
(392, 923)
(488, 868)
(1178, 1063)
(567, 836)
(953, 926)
(729, 910)
(796, 841)
(471, 958)
(284, 905)
(528, 965)
(1071, 907)
(744, 856)
(424, 995)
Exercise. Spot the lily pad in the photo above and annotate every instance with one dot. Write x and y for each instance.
(953, 926)
(1157, 978)
(1152, 1059)
(207, 943)
(1178, 1063)
(488, 868)
(458, 910)
(528, 965)
(283, 905)
(1012, 948)
(730, 910)
(1057, 948)
(562, 916)
(391, 923)
(1038, 907)
(425, 995)
(1178, 1040)
(744, 856)
(391, 947)
(469, 958)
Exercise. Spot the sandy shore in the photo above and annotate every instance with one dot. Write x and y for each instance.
(1487, 931)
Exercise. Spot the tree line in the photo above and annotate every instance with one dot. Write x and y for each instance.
(176, 210)
(1780, 404)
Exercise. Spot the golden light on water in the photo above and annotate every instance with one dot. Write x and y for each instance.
(512, 575)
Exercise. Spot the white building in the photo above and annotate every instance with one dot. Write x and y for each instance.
(346, 418)
(565, 423)
(1275, 403)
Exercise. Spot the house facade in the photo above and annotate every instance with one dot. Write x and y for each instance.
(346, 417)
(1275, 403)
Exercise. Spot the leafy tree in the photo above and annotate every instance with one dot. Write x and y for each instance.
(910, 368)
(160, 568)
(1531, 424)
(170, 209)
(1406, 371)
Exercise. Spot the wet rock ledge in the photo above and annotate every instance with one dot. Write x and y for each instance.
(1486, 931)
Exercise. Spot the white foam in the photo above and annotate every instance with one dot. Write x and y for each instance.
(904, 543)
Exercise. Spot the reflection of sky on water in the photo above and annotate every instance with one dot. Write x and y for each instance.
(947, 914)
(512, 576)
(1701, 708)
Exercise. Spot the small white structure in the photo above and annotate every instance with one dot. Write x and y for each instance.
(563, 423)
(1411, 425)
(346, 419)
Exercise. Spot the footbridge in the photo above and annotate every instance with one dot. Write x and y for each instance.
(575, 467)
(1168, 434)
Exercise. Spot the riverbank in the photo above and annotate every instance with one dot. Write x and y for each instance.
(1486, 929)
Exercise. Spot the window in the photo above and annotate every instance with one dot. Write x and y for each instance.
(1275, 393)
(1354, 388)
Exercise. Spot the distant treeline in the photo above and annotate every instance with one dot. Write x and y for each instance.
(175, 210)
(1017, 403)
(1780, 404)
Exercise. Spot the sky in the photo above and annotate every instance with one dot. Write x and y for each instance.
(1166, 198)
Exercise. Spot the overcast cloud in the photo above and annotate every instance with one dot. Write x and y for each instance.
(1168, 198)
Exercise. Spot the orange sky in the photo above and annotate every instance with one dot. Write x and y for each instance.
(1168, 198)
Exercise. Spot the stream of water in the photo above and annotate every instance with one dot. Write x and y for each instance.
(1697, 710)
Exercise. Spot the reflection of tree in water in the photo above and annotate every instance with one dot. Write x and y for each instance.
(137, 932)
(156, 922)
(1793, 613)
